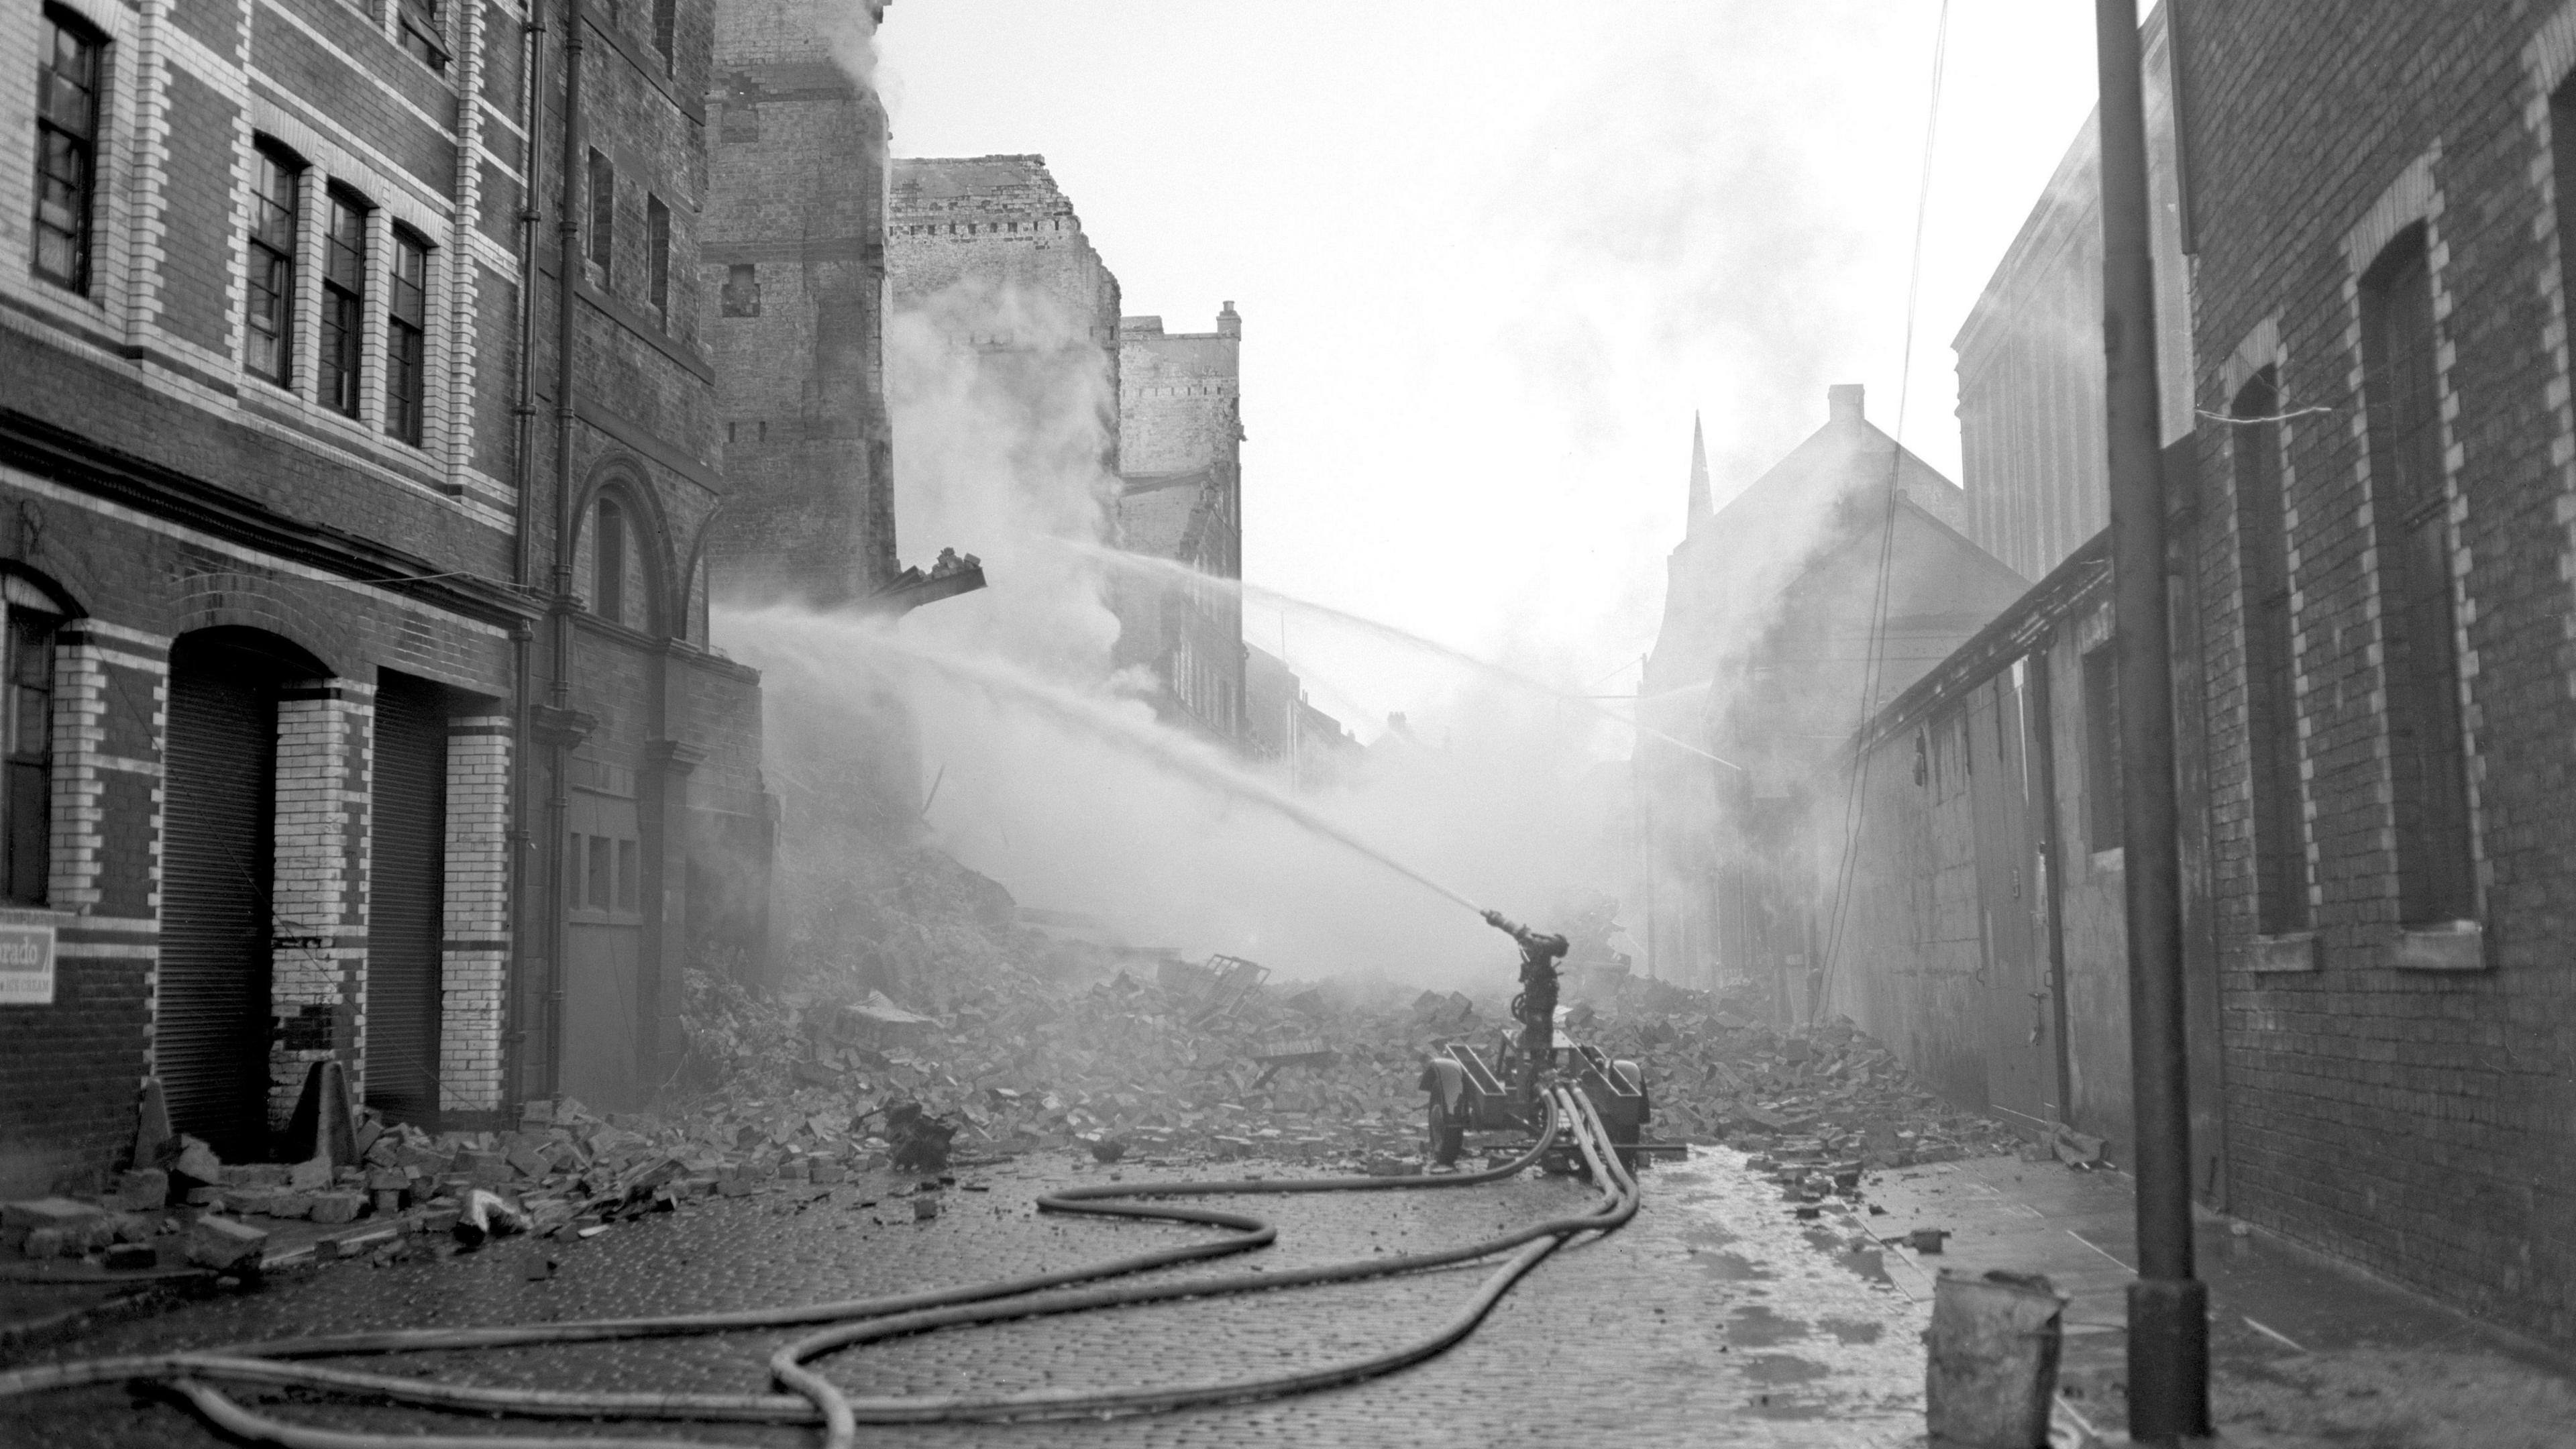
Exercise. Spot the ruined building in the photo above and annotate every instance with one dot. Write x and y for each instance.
(792, 272)
(990, 268)
(1823, 587)
(344, 549)
(1280, 724)
(1180, 413)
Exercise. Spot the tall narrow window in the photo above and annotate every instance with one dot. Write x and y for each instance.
(344, 302)
(2428, 775)
(424, 33)
(25, 833)
(2271, 662)
(741, 294)
(2102, 793)
(666, 24)
(67, 76)
(406, 333)
(603, 213)
(273, 207)
(608, 561)
(657, 246)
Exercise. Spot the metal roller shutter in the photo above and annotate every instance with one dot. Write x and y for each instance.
(406, 893)
(212, 1023)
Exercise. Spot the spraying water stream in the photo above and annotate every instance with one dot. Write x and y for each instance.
(1102, 719)
(1174, 575)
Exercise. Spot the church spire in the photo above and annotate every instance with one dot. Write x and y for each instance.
(1699, 504)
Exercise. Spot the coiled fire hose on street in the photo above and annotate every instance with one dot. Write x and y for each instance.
(861, 1321)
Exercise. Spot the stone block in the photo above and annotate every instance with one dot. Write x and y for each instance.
(482, 1168)
(49, 1243)
(338, 1207)
(198, 1161)
(311, 1175)
(141, 1190)
(44, 1212)
(132, 1257)
(225, 1245)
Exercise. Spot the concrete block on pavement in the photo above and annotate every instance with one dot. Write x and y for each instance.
(225, 1244)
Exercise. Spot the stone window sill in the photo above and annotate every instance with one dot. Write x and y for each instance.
(2441, 946)
(2288, 951)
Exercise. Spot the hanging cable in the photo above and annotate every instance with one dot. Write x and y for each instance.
(1856, 778)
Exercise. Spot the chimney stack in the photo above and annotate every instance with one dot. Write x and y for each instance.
(1228, 322)
(1843, 405)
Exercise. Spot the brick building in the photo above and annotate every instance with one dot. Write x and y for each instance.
(792, 268)
(2031, 445)
(2383, 559)
(1180, 418)
(1281, 724)
(310, 549)
(2372, 554)
(1840, 571)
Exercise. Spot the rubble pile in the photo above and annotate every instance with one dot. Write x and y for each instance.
(1028, 1043)
(1715, 1072)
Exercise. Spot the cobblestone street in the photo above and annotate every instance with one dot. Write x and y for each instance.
(1715, 1317)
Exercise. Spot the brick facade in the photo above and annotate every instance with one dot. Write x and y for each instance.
(155, 485)
(1180, 458)
(792, 281)
(2396, 1089)
(2379, 1068)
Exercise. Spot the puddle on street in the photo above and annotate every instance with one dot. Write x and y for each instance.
(1781, 1368)
(1819, 1329)
(1853, 1331)
(1755, 1326)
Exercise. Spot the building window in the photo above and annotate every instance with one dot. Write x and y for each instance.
(741, 294)
(2271, 660)
(2102, 747)
(603, 213)
(666, 24)
(344, 301)
(424, 32)
(608, 561)
(67, 76)
(657, 250)
(26, 832)
(274, 201)
(406, 339)
(2428, 774)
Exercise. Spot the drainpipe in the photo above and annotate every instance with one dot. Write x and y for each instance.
(523, 473)
(576, 139)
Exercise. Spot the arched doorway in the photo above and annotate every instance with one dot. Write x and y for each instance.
(211, 1024)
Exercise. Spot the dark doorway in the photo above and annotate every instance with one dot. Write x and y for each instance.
(406, 898)
(211, 1031)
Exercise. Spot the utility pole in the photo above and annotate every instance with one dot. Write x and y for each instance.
(2168, 1306)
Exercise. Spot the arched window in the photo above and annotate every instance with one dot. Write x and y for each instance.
(608, 561)
(27, 742)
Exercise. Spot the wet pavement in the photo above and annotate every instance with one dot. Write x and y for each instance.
(1716, 1317)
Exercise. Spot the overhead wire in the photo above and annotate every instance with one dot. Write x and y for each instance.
(1856, 777)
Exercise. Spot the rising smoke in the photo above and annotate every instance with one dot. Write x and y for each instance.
(1054, 775)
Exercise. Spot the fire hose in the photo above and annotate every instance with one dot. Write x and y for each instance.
(857, 1322)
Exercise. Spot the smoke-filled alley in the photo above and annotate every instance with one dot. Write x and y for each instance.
(788, 722)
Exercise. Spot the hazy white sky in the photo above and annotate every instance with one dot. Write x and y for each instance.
(1490, 257)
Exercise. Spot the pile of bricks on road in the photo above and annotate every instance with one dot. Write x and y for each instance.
(1715, 1072)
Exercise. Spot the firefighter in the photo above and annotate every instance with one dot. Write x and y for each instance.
(1535, 1007)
